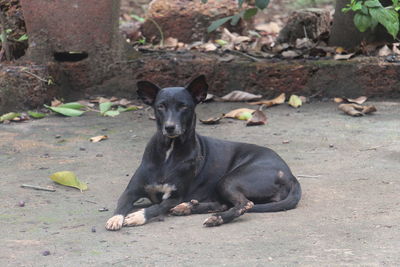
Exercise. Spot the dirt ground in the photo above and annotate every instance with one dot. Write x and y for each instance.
(348, 168)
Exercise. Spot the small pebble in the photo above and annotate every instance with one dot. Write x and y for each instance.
(46, 253)
(103, 209)
(82, 149)
(99, 155)
(58, 136)
(331, 145)
(21, 203)
(93, 229)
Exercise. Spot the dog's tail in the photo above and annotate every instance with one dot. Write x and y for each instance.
(290, 202)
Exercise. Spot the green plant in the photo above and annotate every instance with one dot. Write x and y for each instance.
(370, 13)
(246, 14)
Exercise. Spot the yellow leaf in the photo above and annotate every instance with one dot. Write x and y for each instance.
(295, 101)
(98, 138)
(268, 103)
(68, 178)
(240, 113)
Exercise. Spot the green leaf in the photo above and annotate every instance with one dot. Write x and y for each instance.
(216, 24)
(104, 107)
(235, 19)
(357, 6)
(261, 4)
(69, 179)
(9, 116)
(36, 115)
(111, 113)
(23, 38)
(66, 111)
(221, 42)
(362, 22)
(249, 13)
(72, 105)
(138, 18)
(372, 3)
(295, 101)
(389, 18)
(9, 31)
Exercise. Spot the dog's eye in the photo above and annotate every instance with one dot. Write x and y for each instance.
(160, 106)
(183, 106)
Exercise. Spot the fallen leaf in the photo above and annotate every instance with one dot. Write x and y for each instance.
(343, 57)
(68, 178)
(304, 99)
(209, 47)
(102, 100)
(236, 96)
(72, 105)
(294, 101)
(55, 102)
(268, 103)
(340, 50)
(290, 54)
(356, 110)
(36, 115)
(129, 108)
(66, 111)
(111, 113)
(171, 42)
(338, 100)
(209, 121)
(124, 102)
(105, 106)
(240, 114)
(221, 42)
(359, 100)
(209, 97)
(271, 27)
(98, 138)
(86, 103)
(385, 51)
(258, 118)
(304, 43)
(9, 116)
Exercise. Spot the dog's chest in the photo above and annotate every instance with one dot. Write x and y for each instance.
(158, 192)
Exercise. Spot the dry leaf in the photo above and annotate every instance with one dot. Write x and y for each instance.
(86, 103)
(55, 102)
(98, 138)
(241, 113)
(236, 96)
(268, 103)
(303, 99)
(124, 102)
(214, 120)
(356, 110)
(359, 100)
(338, 100)
(384, 51)
(240, 39)
(258, 118)
(103, 100)
(171, 42)
(304, 43)
(209, 97)
(343, 57)
(294, 101)
(271, 28)
(209, 47)
(290, 54)
(340, 50)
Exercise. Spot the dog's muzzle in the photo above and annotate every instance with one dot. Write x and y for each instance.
(172, 130)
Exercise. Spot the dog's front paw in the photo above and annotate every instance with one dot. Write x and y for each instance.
(214, 220)
(115, 223)
(184, 208)
(135, 218)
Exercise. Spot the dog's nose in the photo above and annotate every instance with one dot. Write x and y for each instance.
(170, 128)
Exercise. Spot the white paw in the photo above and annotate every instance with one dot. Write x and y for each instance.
(135, 218)
(115, 223)
(182, 209)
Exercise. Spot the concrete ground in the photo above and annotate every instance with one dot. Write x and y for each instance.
(348, 167)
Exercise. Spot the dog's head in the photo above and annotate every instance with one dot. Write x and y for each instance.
(174, 106)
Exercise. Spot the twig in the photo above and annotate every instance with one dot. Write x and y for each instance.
(159, 30)
(308, 176)
(4, 44)
(305, 32)
(244, 54)
(34, 75)
(36, 187)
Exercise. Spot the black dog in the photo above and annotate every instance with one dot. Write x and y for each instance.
(184, 173)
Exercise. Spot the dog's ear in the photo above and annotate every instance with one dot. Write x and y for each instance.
(198, 88)
(147, 92)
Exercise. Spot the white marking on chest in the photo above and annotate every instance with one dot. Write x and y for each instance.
(153, 189)
(169, 151)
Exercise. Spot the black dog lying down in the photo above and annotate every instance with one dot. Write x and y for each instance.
(186, 173)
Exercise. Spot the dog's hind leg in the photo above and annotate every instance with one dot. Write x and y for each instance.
(195, 207)
(230, 191)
